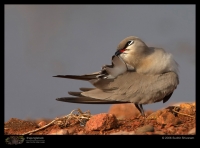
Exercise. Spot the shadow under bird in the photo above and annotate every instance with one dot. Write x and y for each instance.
(138, 74)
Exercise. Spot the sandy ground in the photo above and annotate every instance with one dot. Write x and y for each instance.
(121, 119)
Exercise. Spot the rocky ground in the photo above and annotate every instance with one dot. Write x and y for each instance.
(121, 119)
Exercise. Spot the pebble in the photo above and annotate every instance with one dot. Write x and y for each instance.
(144, 129)
(81, 133)
(101, 122)
(123, 133)
(159, 133)
(171, 129)
(59, 132)
(154, 115)
(192, 131)
(167, 118)
(136, 123)
(42, 123)
(187, 108)
(186, 105)
(124, 111)
(71, 130)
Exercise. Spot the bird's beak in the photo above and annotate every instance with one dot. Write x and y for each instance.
(118, 52)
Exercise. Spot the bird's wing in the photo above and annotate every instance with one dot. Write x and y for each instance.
(101, 78)
(137, 88)
(115, 83)
(85, 77)
(87, 100)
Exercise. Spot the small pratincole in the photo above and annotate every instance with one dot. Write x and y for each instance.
(138, 74)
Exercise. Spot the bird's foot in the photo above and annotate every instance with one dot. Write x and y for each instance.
(142, 116)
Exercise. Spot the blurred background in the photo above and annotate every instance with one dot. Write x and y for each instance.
(46, 40)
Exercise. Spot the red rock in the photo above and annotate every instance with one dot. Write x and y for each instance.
(164, 130)
(81, 133)
(144, 129)
(187, 108)
(152, 122)
(179, 132)
(58, 132)
(159, 133)
(156, 114)
(42, 123)
(150, 133)
(159, 127)
(186, 105)
(52, 132)
(171, 129)
(192, 131)
(136, 123)
(101, 122)
(71, 130)
(123, 133)
(168, 125)
(124, 111)
(167, 118)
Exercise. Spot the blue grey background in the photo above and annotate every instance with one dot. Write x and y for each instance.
(46, 40)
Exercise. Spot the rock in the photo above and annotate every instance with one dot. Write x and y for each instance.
(164, 130)
(179, 131)
(171, 129)
(136, 123)
(192, 131)
(63, 132)
(101, 122)
(159, 133)
(18, 126)
(186, 105)
(144, 129)
(42, 123)
(58, 132)
(53, 132)
(154, 115)
(71, 130)
(167, 118)
(187, 108)
(123, 133)
(155, 133)
(179, 103)
(124, 111)
(150, 133)
(81, 133)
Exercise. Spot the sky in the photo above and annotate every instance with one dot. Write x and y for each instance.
(42, 41)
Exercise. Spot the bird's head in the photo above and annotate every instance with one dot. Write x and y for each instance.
(131, 50)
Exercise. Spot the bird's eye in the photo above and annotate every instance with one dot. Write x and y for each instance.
(130, 42)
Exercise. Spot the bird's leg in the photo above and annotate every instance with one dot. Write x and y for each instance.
(140, 108)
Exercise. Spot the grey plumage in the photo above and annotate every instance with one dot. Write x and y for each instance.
(138, 74)
(87, 100)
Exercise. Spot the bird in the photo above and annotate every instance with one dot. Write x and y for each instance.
(138, 74)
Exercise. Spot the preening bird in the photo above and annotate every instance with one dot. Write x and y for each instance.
(138, 74)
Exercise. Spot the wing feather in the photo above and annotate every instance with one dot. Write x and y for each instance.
(137, 88)
(87, 100)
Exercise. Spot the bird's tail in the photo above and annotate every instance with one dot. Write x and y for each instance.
(87, 100)
(86, 77)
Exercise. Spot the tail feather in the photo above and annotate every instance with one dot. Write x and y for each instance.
(87, 100)
(78, 77)
(166, 98)
(74, 93)
(86, 89)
